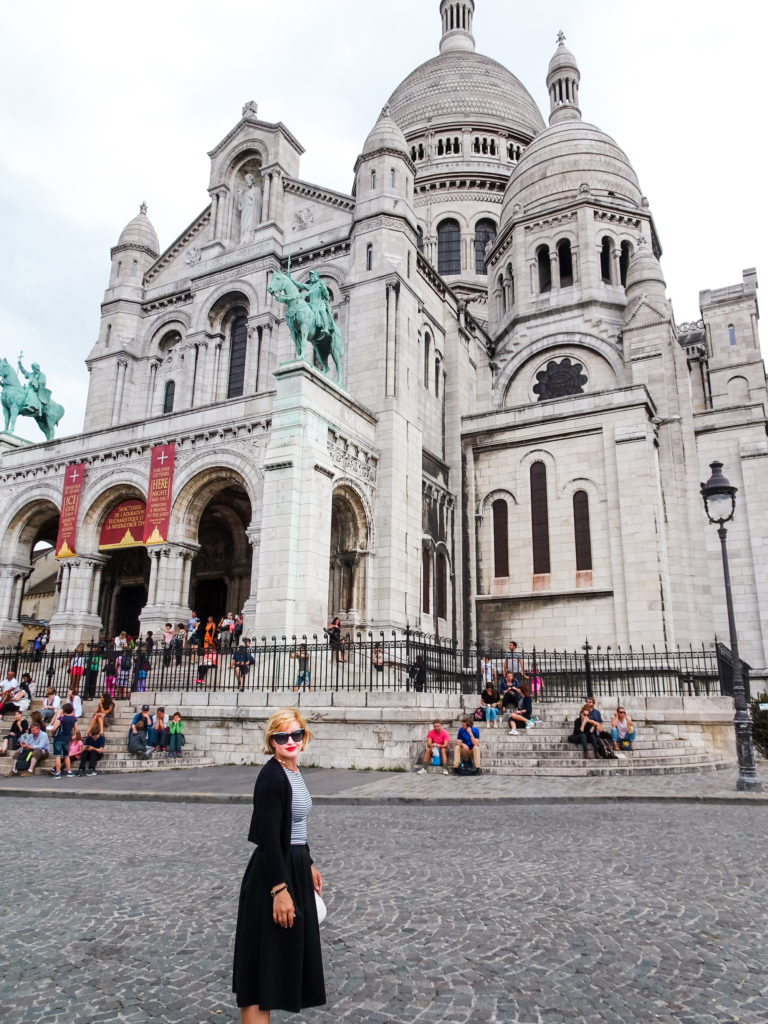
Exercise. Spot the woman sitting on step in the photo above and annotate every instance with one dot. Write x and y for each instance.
(520, 717)
(622, 730)
(491, 704)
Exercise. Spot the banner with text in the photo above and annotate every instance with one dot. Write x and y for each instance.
(158, 517)
(70, 505)
(124, 526)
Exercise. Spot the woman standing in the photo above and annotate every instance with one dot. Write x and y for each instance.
(278, 963)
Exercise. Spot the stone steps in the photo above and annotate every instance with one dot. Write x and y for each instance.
(112, 765)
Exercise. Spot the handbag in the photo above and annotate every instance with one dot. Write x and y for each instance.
(322, 910)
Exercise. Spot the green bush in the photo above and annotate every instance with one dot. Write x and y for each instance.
(760, 724)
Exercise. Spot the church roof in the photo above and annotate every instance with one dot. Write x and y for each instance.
(140, 232)
(568, 158)
(468, 87)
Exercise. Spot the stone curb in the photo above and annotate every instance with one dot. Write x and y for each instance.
(379, 801)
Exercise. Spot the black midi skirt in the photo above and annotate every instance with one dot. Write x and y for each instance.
(278, 968)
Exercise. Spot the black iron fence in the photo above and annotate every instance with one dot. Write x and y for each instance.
(395, 661)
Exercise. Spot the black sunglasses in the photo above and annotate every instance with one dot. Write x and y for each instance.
(281, 738)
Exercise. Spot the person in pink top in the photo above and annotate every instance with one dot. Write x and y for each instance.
(437, 739)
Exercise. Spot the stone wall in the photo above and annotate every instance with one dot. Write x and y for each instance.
(358, 729)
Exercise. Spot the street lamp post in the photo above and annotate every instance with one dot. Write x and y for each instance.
(720, 504)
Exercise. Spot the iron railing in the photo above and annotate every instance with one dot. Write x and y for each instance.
(383, 662)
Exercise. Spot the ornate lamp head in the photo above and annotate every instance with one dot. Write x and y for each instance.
(719, 496)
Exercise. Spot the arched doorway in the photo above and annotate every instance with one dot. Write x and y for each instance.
(31, 582)
(348, 558)
(124, 589)
(221, 570)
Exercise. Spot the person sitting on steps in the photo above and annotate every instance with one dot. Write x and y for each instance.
(491, 704)
(622, 730)
(585, 731)
(520, 717)
(467, 745)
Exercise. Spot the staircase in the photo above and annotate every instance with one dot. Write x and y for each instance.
(116, 757)
(543, 750)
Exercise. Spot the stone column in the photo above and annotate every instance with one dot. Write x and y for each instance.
(168, 594)
(293, 565)
(250, 623)
(12, 579)
(266, 198)
(117, 401)
(152, 384)
(76, 619)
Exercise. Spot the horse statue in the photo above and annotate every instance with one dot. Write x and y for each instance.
(28, 400)
(309, 319)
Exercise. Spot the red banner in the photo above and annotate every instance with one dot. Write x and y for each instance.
(70, 504)
(158, 517)
(124, 526)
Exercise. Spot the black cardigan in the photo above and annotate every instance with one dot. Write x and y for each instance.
(271, 821)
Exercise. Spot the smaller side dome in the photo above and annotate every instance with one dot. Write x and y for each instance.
(385, 135)
(645, 275)
(140, 233)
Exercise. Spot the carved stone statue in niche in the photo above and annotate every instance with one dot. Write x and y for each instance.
(559, 379)
(249, 201)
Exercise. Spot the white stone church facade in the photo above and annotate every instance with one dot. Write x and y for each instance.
(517, 446)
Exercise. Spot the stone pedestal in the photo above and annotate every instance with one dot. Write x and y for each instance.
(294, 543)
(10, 442)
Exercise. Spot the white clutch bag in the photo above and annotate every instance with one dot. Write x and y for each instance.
(322, 910)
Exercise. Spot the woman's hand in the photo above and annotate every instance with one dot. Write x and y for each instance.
(282, 909)
(317, 881)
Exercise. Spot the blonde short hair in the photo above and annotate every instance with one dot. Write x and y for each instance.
(279, 722)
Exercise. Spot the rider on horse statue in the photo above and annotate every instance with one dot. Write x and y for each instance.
(36, 395)
(319, 300)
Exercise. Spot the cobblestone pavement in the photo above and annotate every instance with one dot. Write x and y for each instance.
(538, 914)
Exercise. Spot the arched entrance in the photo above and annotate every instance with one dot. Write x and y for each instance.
(29, 584)
(124, 589)
(349, 553)
(221, 570)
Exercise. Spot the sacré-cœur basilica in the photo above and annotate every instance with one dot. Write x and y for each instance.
(515, 443)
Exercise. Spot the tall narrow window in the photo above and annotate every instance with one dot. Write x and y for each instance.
(426, 579)
(420, 238)
(545, 268)
(606, 259)
(369, 258)
(134, 268)
(238, 347)
(624, 258)
(485, 232)
(731, 334)
(392, 177)
(501, 295)
(437, 377)
(427, 344)
(441, 571)
(539, 519)
(373, 179)
(169, 396)
(565, 262)
(500, 538)
(449, 247)
(581, 531)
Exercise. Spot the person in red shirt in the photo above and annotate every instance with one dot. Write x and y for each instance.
(437, 739)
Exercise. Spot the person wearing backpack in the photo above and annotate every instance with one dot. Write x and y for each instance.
(467, 746)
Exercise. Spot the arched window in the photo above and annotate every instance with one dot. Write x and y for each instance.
(426, 579)
(581, 531)
(440, 149)
(373, 179)
(731, 334)
(109, 336)
(238, 347)
(169, 396)
(413, 153)
(421, 151)
(427, 344)
(485, 232)
(545, 268)
(565, 262)
(500, 538)
(539, 519)
(420, 238)
(441, 571)
(134, 268)
(369, 258)
(606, 260)
(449, 247)
(392, 177)
(437, 377)
(624, 258)
(502, 295)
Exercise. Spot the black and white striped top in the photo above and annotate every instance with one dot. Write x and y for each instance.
(300, 808)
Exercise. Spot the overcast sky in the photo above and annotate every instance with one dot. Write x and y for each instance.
(106, 104)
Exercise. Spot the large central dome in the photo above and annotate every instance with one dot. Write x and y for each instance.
(466, 87)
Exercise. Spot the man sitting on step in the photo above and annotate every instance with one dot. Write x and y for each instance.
(437, 742)
(33, 748)
(467, 745)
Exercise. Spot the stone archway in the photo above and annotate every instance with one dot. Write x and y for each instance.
(350, 547)
(29, 540)
(221, 570)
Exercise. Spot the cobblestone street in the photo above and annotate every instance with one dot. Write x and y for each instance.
(119, 911)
